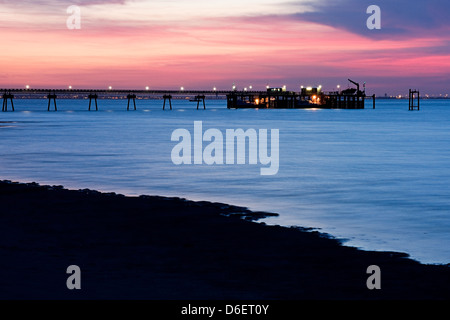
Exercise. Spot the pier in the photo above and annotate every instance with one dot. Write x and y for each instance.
(272, 98)
(310, 97)
(199, 96)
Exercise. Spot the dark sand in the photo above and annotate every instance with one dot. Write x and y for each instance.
(169, 248)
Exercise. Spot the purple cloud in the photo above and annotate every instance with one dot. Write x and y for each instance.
(398, 18)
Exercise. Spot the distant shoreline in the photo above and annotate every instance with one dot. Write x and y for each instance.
(159, 248)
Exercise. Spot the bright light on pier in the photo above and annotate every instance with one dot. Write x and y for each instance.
(182, 88)
(27, 87)
(147, 88)
(70, 87)
(110, 88)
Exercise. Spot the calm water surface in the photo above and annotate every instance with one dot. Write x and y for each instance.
(380, 179)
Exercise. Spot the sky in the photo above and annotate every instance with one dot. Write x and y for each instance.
(201, 44)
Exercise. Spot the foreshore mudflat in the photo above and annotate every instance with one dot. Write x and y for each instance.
(159, 248)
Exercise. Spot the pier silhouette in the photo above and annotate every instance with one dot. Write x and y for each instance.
(94, 94)
(275, 98)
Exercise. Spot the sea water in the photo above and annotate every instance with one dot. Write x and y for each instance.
(376, 179)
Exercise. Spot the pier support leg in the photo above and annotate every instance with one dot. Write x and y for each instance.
(418, 100)
(50, 98)
(412, 97)
(202, 98)
(131, 96)
(167, 97)
(93, 97)
(7, 96)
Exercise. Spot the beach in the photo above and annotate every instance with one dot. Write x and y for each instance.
(161, 248)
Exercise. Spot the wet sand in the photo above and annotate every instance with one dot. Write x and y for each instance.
(157, 248)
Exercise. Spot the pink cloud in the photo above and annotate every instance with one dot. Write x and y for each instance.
(201, 54)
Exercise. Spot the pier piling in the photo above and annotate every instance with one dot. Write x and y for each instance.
(93, 96)
(6, 96)
(200, 98)
(51, 97)
(413, 94)
(167, 97)
(129, 97)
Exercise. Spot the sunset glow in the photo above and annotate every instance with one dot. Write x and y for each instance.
(206, 44)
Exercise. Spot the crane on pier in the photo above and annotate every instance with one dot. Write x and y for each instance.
(355, 83)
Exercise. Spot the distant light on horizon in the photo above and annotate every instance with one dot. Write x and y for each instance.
(70, 87)
(27, 87)
(147, 88)
(182, 88)
(110, 88)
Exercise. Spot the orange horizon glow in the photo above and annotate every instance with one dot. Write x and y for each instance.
(206, 52)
